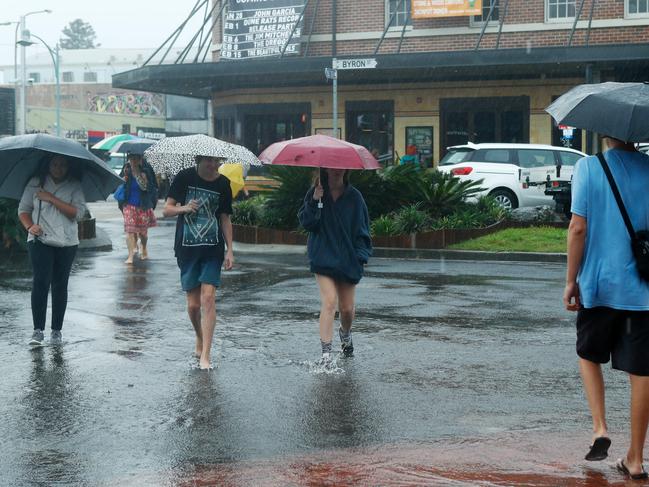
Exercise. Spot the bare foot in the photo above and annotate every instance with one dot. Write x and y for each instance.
(129, 260)
(205, 365)
(198, 351)
(144, 255)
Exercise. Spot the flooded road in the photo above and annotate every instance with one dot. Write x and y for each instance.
(464, 374)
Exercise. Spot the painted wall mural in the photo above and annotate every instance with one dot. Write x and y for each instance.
(148, 104)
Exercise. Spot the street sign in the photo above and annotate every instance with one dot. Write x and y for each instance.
(359, 63)
(331, 73)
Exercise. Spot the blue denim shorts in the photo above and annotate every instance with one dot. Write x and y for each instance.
(194, 272)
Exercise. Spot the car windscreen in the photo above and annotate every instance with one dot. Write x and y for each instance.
(456, 156)
(569, 158)
(116, 162)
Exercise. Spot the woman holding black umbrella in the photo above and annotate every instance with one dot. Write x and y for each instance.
(52, 203)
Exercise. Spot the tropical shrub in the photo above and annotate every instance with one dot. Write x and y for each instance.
(389, 189)
(11, 230)
(383, 226)
(411, 219)
(282, 204)
(442, 193)
(248, 212)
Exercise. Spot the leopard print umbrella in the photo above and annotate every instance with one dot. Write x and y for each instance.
(172, 154)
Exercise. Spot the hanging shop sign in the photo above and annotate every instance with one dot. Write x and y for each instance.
(261, 28)
(426, 9)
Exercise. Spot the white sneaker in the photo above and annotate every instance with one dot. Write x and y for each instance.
(37, 338)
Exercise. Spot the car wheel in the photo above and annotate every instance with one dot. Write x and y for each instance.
(505, 198)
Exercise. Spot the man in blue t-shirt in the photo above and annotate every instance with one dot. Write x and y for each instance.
(201, 198)
(604, 287)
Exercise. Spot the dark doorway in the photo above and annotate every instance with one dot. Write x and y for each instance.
(371, 124)
(503, 119)
(262, 130)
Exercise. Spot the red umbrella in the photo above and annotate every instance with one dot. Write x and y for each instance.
(319, 151)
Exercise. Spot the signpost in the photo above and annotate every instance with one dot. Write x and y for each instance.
(332, 74)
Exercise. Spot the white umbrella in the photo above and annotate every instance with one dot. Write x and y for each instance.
(172, 154)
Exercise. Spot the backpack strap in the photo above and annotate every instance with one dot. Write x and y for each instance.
(616, 193)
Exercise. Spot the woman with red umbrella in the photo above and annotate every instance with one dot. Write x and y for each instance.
(339, 242)
(338, 248)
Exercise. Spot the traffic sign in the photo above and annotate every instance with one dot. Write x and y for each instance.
(359, 63)
(331, 73)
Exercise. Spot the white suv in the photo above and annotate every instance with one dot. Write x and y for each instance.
(514, 174)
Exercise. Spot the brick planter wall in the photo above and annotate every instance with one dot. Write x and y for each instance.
(436, 239)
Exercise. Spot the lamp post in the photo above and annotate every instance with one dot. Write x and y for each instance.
(24, 41)
(54, 54)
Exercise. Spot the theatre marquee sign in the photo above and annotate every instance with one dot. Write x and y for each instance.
(261, 28)
(426, 9)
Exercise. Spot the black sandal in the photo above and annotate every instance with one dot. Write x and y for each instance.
(624, 470)
(599, 449)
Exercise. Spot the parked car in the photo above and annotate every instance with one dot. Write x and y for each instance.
(116, 161)
(514, 174)
(560, 188)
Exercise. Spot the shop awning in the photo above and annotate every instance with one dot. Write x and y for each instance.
(626, 62)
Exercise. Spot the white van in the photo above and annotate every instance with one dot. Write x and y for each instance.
(514, 174)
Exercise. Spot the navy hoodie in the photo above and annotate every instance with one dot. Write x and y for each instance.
(339, 235)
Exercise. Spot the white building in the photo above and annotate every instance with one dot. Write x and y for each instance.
(90, 105)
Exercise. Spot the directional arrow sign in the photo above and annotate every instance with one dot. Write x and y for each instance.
(360, 63)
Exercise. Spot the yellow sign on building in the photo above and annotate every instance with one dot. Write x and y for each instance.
(426, 9)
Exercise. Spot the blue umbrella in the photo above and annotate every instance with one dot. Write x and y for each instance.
(22, 155)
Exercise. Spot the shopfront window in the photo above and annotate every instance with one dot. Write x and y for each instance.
(371, 124)
(484, 120)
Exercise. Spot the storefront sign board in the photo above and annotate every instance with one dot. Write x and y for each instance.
(261, 28)
(426, 9)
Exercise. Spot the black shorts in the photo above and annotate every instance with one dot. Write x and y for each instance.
(604, 333)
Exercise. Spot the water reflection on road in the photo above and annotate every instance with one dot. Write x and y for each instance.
(464, 375)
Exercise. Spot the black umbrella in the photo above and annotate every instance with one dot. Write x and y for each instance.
(620, 110)
(22, 155)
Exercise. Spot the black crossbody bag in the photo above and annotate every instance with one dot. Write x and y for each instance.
(639, 239)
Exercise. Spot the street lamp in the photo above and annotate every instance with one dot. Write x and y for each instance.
(24, 41)
(54, 54)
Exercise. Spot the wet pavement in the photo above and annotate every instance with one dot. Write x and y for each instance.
(464, 374)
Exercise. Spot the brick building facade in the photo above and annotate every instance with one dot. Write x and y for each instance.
(438, 82)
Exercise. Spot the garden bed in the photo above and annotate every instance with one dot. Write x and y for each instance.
(436, 239)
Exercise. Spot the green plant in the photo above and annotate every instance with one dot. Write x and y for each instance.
(442, 193)
(411, 219)
(388, 189)
(273, 218)
(491, 210)
(248, 212)
(11, 230)
(383, 226)
(283, 203)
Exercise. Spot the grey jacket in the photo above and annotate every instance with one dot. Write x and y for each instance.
(58, 229)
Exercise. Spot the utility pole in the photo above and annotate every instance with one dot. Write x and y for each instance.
(24, 42)
(23, 75)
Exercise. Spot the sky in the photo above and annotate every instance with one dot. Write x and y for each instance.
(117, 23)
